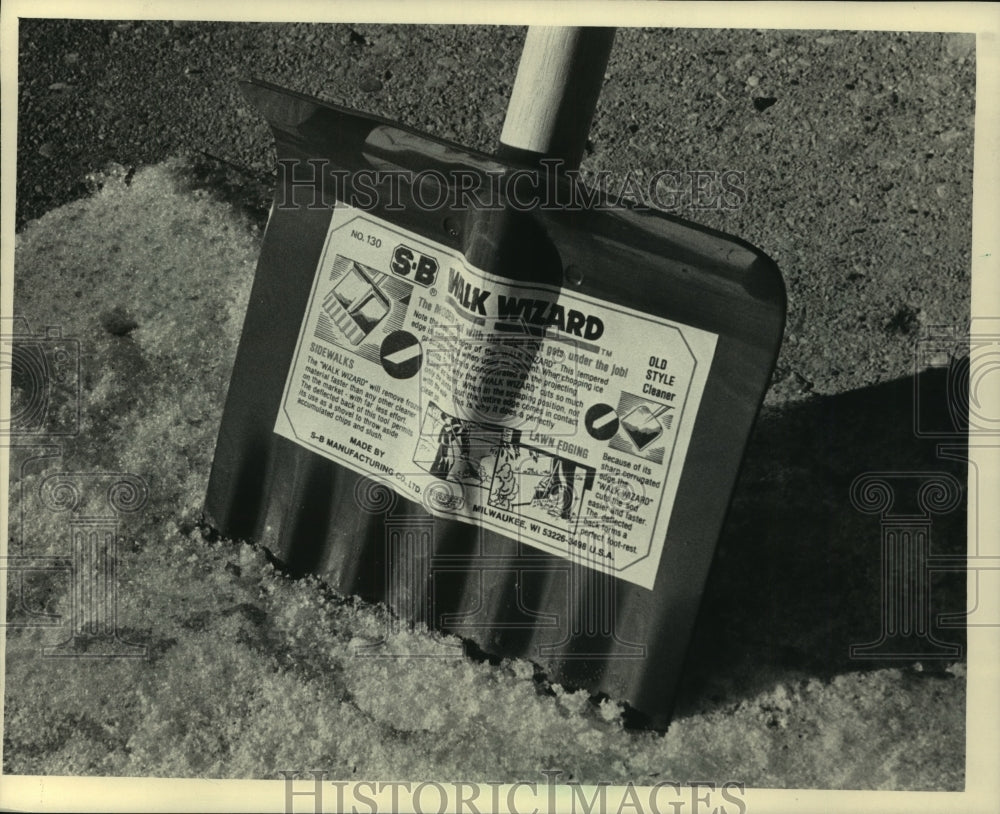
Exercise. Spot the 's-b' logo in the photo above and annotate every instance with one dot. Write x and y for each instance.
(420, 268)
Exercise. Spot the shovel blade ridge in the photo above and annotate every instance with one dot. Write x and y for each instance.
(521, 426)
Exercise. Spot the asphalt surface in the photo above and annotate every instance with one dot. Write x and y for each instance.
(854, 148)
(92, 93)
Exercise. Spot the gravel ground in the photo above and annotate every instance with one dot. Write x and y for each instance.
(856, 150)
(876, 128)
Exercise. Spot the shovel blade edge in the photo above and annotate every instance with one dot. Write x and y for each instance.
(508, 534)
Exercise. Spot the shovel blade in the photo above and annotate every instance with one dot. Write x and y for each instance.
(384, 334)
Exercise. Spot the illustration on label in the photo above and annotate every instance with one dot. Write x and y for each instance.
(515, 476)
(357, 299)
(645, 427)
(522, 408)
(356, 304)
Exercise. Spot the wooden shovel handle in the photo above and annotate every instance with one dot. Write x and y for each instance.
(558, 81)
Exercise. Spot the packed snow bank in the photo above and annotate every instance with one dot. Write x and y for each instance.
(249, 673)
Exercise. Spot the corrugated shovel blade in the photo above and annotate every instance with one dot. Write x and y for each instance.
(521, 424)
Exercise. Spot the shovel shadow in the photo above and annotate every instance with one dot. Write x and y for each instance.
(797, 587)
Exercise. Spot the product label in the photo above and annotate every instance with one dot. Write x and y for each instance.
(550, 417)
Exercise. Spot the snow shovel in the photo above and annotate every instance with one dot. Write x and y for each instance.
(405, 284)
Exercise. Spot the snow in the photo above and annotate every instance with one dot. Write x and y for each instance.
(248, 672)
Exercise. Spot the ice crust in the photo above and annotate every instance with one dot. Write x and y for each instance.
(250, 673)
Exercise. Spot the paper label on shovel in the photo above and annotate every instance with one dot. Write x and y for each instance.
(550, 417)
